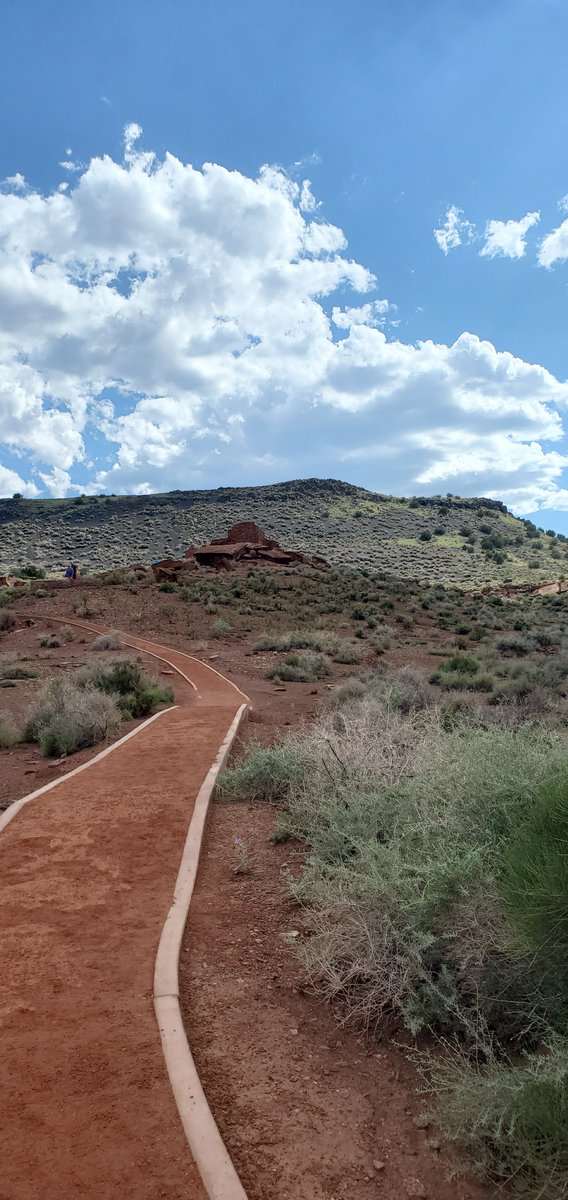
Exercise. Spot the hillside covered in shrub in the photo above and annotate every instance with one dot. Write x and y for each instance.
(470, 542)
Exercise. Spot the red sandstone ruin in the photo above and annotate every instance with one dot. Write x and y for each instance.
(244, 542)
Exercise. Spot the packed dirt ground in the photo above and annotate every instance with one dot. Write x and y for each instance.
(309, 1109)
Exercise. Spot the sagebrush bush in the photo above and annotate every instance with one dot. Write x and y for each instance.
(12, 668)
(65, 718)
(221, 628)
(49, 641)
(8, 732)
(112, 640)
(303, 667)
(510, 1118)
(299, 639)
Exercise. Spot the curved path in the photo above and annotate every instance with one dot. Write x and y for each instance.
(88, 870)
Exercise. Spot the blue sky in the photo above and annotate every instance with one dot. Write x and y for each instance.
(169, 326)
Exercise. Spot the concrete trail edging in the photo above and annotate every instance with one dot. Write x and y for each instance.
(209, 1151)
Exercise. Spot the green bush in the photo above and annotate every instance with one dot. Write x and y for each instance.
(535, 877)
(135, 694)
(303, 667)
(461, 664)
(7, 622)
(268, 773)
(513, 644)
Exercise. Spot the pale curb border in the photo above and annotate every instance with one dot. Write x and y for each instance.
(209, 1151)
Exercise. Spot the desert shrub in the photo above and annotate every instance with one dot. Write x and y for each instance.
(267, 773)
(514, 644)
(108, 641)
(66, 634)
(29, 571)
(463, 664)
(7, 622)
(12, 669)
(8, 732)
(382, 639)
(457, 680)
(300, 639)
(49, 641)
(349, 689)
(65, 718)
(134, 693)
(545, 640)
(167, 587)
(303, 667)
(220, 627)
(510, 1118)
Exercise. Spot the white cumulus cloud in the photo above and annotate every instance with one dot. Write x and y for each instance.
(508, 238)
(181, 326)
(455, 231)
(554, 247)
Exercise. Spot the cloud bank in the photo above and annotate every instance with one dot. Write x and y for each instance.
(168, 326)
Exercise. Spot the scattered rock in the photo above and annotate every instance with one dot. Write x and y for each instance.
(378, 1164)
(417, 1190)
(213, 657)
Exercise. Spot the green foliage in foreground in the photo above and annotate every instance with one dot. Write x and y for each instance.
(435, 891)
(136, 695)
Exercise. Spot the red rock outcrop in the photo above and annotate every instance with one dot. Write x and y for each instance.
(246, 541)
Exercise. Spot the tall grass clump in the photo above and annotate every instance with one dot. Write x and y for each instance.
(8, 732)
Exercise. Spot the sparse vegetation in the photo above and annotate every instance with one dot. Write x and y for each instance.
(435, 893)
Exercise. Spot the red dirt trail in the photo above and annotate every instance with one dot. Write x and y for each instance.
(87, 879)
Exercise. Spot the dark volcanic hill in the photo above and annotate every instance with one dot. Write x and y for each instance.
(466, 541)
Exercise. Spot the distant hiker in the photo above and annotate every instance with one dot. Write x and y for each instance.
(70, 573)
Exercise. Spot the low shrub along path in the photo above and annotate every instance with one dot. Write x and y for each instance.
(87, 879)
